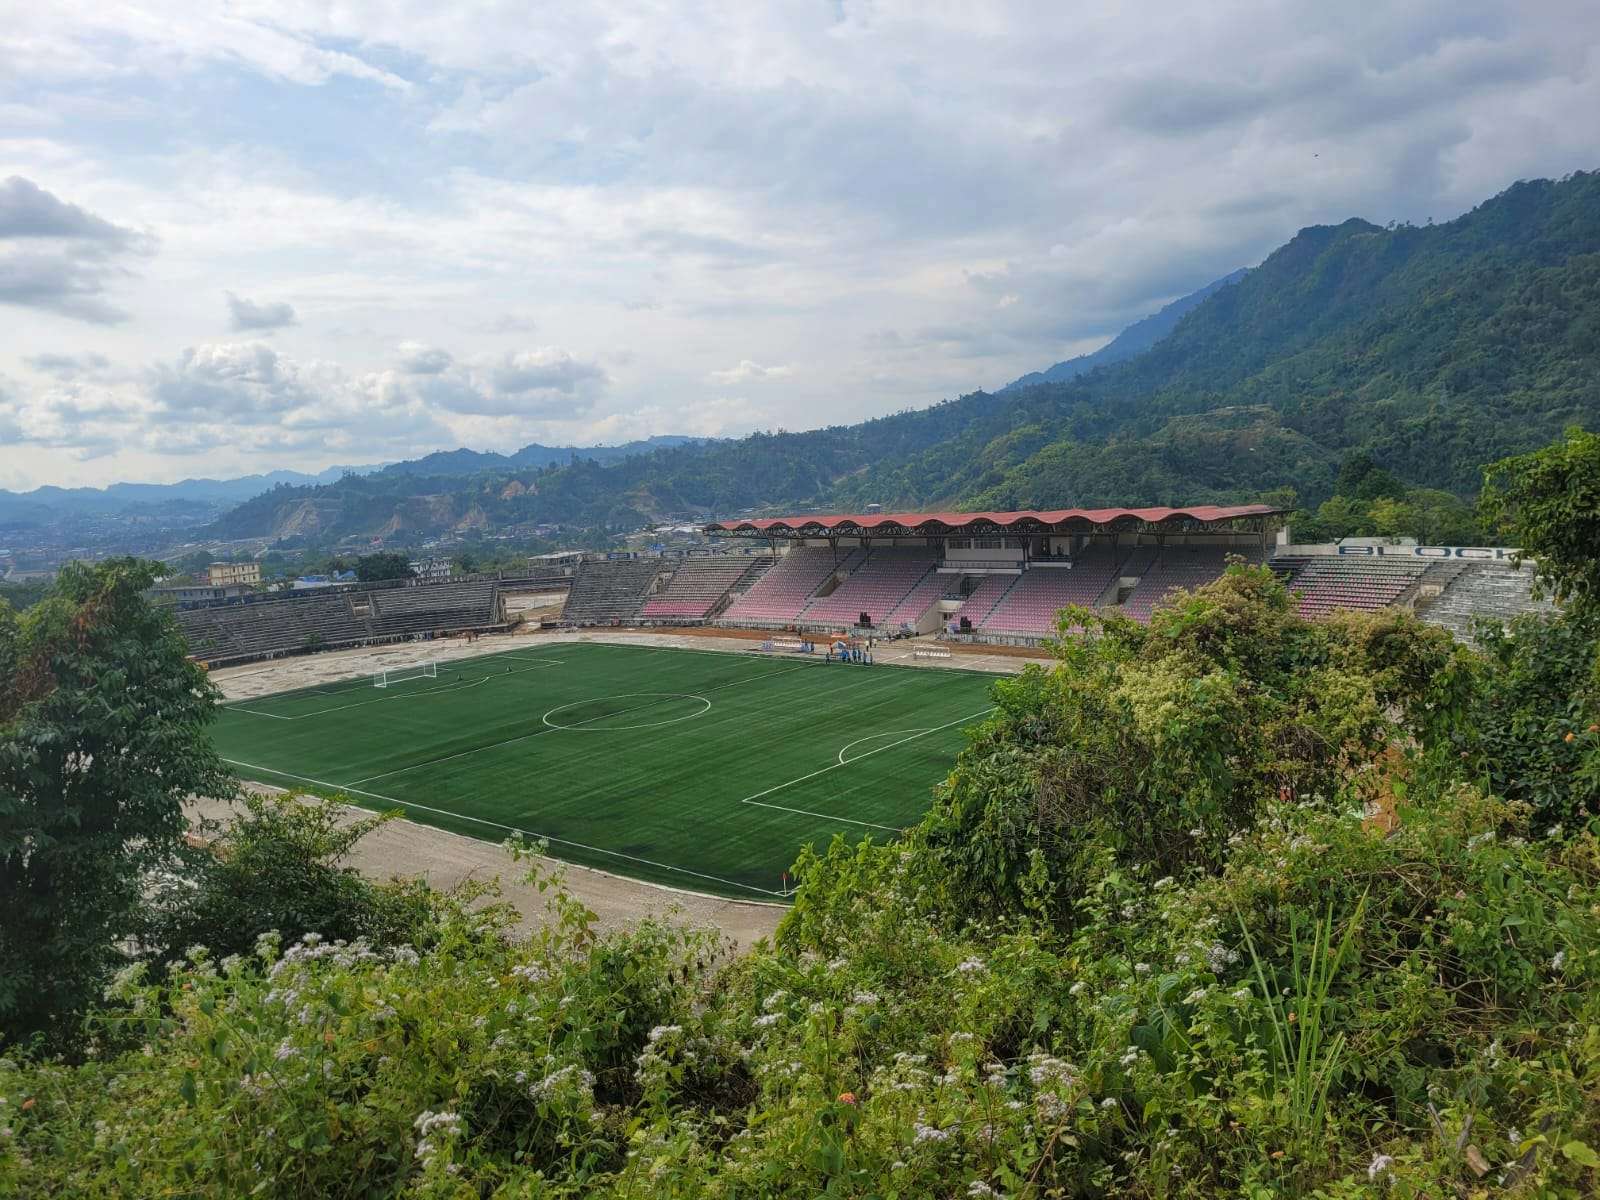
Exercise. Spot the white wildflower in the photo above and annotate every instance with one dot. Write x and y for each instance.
(1380, 1166)
(768, 1020)
(1078, 988)
(928, 1133)
(971, 966)
(979, 1188)
(1045, 1070)
(1559, 962)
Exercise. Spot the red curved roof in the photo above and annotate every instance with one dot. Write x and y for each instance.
(960, 520)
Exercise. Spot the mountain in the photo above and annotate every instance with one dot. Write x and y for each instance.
(55, 502)
(472, 462)
(1134, 340)
(1432, 349)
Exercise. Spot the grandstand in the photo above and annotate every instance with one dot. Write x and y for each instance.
(609, 591)
(974, 606)
(1030, 606)
(1481, 590)
(1175, 567)
(1003, 577)
(874, 589)
(699, 587)
(916, 605)
(1363, 582)
(321, 620)
(997, 577)
(776, 599)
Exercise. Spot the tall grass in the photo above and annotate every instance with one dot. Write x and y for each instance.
(1305, 1059)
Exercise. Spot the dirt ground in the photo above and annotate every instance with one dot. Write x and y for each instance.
(287, 674)
(406, 849)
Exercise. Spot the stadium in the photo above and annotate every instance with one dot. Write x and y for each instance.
(693, 720)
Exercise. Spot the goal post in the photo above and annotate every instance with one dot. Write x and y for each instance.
(425, 670)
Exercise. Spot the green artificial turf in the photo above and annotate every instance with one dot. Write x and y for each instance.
(700, 769)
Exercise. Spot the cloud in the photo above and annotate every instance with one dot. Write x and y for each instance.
(247, 315)
(416, 358)
(510, 323)
(68, 365)
(59, 257)
(646, 186)
(748, 372)
(549, 369)
(28, 211)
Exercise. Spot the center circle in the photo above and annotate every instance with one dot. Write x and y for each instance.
(629, 710)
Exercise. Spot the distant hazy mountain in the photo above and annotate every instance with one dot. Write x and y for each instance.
(1134, 340)
(47, 502)
(471, 462)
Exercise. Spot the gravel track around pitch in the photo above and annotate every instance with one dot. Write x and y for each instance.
(404, 849)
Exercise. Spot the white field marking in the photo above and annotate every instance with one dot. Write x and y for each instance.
(759, 803)
(578, 727)
(448, 689)
(548, 729)
(870, 737)
(444, 812)
(806, 812)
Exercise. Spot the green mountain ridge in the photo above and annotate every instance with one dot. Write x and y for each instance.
(1132, 341)
(1431, 348)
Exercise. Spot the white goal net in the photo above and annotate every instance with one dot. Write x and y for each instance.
(427, 670)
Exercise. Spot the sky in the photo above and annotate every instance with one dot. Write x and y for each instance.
(243, 236)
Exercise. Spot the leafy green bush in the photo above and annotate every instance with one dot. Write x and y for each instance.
(877, 1051)
(278, 868)
(1157, 744)
(1534, 730)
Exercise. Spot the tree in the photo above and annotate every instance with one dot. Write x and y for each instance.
(280, 866)
(1342, 517)
(373, 567)
(1362, 479)
(102, 735)
(1392, 518)
(1547, 503)
(1442, 518)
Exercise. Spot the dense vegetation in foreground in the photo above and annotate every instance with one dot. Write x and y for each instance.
(1235, 904)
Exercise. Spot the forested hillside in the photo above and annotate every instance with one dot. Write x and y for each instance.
(1432, 349)
(1132, 341)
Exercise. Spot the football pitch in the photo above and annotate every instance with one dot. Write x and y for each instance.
(699, 769)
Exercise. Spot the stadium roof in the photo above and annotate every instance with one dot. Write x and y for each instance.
(1017, 522)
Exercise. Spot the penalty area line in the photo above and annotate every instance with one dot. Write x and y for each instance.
(529, 833)
(440, 690)
(757, 801)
